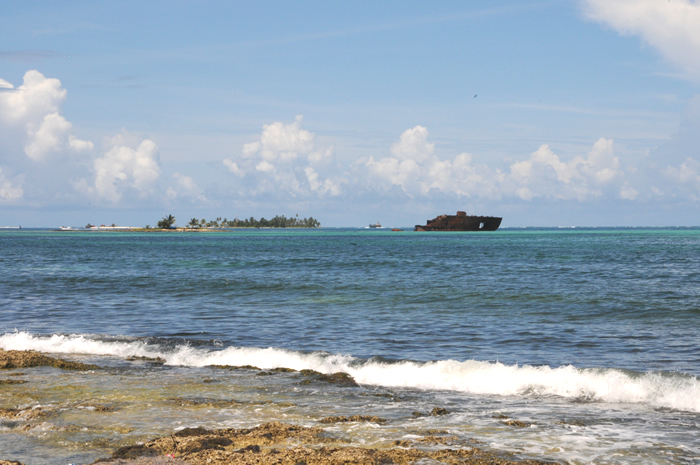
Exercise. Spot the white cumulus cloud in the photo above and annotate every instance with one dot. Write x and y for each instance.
(233, 167)
(462, 177)
(284, 142)
(31, 101)
(124, 168)
(672, 27)
(628, 192)
(33, 111)
(685, 177)
(8, 191)
(413, 145)
(326, 186)
(53, 135)
(412, 154)
(265, 166)
(418, 171)
(544, 174)
(403, 173)
(279, 143)
(280, 163)
(185, 187)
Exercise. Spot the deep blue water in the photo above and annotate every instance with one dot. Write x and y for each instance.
(592, 298)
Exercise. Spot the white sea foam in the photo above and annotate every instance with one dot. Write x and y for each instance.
(674, 391)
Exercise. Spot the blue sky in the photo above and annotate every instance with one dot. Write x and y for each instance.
(546, 113)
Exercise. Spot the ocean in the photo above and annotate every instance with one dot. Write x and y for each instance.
(572, 345)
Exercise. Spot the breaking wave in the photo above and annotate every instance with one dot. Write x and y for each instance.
(657, 389)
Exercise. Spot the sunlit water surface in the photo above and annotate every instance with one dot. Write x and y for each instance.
(589, 337)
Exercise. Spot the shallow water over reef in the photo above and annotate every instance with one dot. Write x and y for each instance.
(574, 346)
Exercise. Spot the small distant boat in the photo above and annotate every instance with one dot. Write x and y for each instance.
(375, 225)
(396, 229)
(66, 228)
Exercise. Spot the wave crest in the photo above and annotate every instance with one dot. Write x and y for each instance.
(657, 389)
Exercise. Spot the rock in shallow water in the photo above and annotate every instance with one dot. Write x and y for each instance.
(265, 445)
(28, 358)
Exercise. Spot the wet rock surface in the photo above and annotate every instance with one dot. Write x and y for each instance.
(339, 378)
(22, 414)
(234, 367)
(28, 358)
(437, 440)
(160, 460)
(97, 408)
(285, 444)
(517, 423)
(437, 411)
(12, 381)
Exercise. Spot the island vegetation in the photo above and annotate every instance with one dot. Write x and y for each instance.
(167, 222)
(279, 221)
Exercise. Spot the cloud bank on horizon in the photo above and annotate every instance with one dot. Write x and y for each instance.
(45, 163)
(286, 162)
(34, 127)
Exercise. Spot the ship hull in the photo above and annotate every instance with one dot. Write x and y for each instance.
(461, 223)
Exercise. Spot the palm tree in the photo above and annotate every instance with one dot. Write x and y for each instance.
(194, 222)
(167, 222)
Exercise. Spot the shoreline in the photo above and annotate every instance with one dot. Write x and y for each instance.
(279, 439)
(284, 443)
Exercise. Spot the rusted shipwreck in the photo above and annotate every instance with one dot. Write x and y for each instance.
(461, 222)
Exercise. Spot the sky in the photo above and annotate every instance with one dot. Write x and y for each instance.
(552, 113)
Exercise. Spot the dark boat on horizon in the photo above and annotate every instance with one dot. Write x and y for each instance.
(461, 222)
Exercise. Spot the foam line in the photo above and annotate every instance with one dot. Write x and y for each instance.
(677, 391)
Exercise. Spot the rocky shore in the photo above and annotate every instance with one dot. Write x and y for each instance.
(28, 358)
(285, 444)
(271, 442)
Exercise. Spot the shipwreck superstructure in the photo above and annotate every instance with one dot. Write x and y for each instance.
(461, 222)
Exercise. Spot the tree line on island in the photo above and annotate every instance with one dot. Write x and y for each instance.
(279, 221)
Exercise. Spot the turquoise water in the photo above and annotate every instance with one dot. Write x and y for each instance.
(538, 320)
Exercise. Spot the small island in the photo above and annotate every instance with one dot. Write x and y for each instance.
(167, 223)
